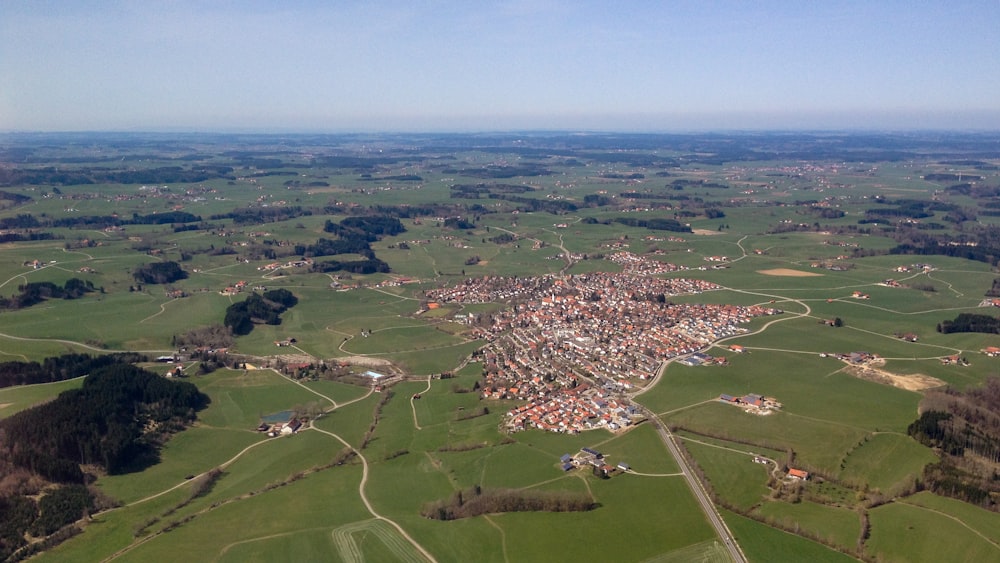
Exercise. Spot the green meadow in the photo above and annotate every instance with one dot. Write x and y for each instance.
(14, 399)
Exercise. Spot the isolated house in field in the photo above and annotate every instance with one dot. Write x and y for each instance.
(798, 474)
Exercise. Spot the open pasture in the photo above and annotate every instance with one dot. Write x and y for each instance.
(817, 443)
(763, 543)
(18, 398)
(241, 398)
(905, 532)
(886, 462)
(982, 521)
(732, 474)
(839, 526)
(809, 388)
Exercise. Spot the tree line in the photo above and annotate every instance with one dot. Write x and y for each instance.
(477, 501)
(964, 428)
(33, 293)
(159, 273)
(51, 175)
(59, 368)
(258, 309)
(970, 322)
(369, 266)
(656, 224)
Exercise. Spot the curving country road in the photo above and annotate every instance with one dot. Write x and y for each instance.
(364, 497)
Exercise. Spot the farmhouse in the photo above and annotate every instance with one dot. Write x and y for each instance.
(752, 402)
(798, 474)
(291, 427)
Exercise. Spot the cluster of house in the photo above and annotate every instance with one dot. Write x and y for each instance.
(917, 266)
(488, 289)
(297, 263)
(572, 410)
(640, 265)
(593, 458)
(752, 403)
(702, 359)
(609, 328)
(832, 266)
(281, 428)
(35, 264)
(840, 243)
(234, 289)
(955, 360)
(853, 357)
(608, 325)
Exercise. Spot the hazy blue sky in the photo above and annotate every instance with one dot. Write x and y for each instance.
(476, 65)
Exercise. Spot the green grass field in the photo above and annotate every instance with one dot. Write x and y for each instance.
(733, 476)
(14, 399)
(903, 532)
(764, 543)
(837, 526)
(886, 461)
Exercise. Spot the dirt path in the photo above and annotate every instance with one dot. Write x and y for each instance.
(224, 465)
(75, 343)
(503, 537)
(364, 497)
(956, 519)
(413, 407)
(163, 307)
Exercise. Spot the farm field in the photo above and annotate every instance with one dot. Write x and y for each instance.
(436, 292)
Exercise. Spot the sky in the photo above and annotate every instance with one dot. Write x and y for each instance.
(360, 66)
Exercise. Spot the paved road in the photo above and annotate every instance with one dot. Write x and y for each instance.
(699, 491)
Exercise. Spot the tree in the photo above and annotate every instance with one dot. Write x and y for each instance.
(838, 322)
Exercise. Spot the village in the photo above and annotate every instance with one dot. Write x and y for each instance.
(573, 347)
